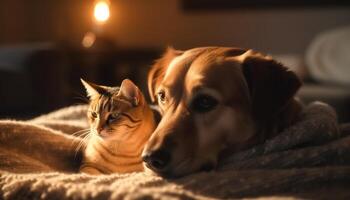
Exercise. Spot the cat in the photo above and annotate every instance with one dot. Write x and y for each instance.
(121, 122)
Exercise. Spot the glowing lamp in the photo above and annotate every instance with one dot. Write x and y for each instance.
(101, 11)
(89, 40)
(100, 16)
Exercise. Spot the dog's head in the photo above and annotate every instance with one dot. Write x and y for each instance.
(212, 99)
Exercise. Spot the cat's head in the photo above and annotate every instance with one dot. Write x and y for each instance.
(114, 111)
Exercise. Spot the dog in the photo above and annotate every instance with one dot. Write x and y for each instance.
(215, 101)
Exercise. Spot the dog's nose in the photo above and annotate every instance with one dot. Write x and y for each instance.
(157, 160)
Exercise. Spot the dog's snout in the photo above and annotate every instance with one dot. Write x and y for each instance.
(157, 160)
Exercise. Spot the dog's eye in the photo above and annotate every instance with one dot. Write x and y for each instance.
(161, 96)
(204, 103)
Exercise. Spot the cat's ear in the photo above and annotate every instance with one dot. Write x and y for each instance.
(92, 89)
(130, 91)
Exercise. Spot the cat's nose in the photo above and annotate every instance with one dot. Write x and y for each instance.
(157, 160)
(99, 130)
(99, 127)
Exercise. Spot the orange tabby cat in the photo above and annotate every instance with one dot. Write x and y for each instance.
(120, 124)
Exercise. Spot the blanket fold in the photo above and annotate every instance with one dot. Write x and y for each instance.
(39, 160)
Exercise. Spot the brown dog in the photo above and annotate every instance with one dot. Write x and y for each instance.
(214, 101)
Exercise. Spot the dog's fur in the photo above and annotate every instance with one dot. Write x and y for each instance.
(254, 101)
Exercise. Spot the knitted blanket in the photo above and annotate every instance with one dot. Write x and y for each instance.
(38, 160)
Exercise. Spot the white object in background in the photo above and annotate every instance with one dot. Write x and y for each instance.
(294, 62)
(328, 56)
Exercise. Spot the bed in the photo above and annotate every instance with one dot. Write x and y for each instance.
(39, 160)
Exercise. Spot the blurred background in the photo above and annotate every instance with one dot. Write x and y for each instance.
(46, 46)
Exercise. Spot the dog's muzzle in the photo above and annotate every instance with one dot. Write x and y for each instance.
(157, 160)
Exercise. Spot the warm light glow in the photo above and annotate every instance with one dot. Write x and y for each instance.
(101, 11)
(88, 40)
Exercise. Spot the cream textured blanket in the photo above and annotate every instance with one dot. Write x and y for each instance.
(38, 160)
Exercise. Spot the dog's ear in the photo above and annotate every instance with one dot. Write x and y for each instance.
(157, 71)
(271, 85)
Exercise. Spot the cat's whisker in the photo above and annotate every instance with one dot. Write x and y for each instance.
(80, 132)
(82, 142)
(79, 143)
(80, 137)
(84, 135)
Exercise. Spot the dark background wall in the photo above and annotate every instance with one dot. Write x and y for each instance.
(42, 60)
(156, 23)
